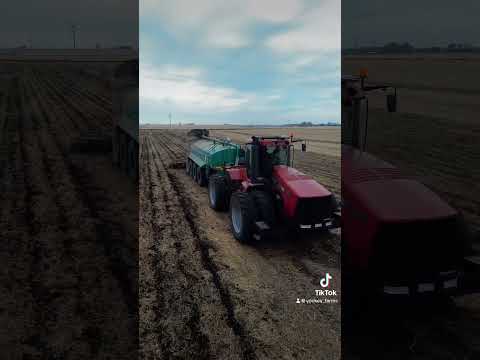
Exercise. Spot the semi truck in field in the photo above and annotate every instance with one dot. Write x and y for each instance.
(125, 118)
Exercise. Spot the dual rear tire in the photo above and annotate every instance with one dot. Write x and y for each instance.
(247, 208)
(218, 193)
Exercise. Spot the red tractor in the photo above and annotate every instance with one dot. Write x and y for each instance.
(397, 234)
(264, 191)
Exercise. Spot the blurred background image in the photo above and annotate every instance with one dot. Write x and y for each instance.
(410, 84)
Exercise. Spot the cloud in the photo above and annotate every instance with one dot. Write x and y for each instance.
(274, 11)
(316, 31)
(218, 23)
(227, 34)
(234, 61)
(183, 87)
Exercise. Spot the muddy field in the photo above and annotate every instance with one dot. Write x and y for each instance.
(69, 244)
(433, 136)
(203, 295)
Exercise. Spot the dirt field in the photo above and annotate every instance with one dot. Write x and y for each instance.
(434, 136)
(203, 295)
(68, 235)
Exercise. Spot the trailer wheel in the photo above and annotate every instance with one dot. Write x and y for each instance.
(242, 216)
(200, 176)
(189, 167)
(218, 192)
(193, 170)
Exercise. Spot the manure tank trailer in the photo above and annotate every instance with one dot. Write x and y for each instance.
(209, 155)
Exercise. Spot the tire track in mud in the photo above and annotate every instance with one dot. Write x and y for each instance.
(17, 228)
(73, 186)
(83, 119)
(206, 317)
(209, 264)
(49, 249)
(40, 191)
(82, 186)
(148, 321)
(73, 97)
(202, 346)
(101, 102)
(24, 247)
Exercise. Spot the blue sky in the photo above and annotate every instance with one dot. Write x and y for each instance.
(239, 62)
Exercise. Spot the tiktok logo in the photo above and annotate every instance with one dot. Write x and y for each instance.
(324, 282)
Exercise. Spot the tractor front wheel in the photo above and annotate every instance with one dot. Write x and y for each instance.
(265, 206)
(242, 216)
(218, 192)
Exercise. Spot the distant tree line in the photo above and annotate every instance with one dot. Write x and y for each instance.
(407, 48)
(310, 124)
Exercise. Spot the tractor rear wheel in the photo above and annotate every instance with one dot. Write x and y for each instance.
(218, 192)
(242, 216)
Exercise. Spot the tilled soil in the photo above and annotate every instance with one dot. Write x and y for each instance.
(203, 295)
(68, 237)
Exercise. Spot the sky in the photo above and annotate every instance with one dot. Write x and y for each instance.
(239, 61)
(424, 23)
(47, 23)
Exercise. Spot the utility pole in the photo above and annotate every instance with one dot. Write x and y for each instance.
(170, 118)
(74, 35)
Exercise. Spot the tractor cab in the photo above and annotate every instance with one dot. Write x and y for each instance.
(263, 153)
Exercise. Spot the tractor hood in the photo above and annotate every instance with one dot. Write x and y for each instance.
(301, 185)
(386, 193)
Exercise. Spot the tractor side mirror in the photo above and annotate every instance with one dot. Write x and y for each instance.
(304, 147)
(392, 102)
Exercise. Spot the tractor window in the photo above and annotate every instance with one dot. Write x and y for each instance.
(278, 154)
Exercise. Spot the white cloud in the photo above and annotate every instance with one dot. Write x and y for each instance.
(274, 11)
(183, 88)
(316, 31)
(223, 24)
(227, 34)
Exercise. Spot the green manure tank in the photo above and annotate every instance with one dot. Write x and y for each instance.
(209, 155)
